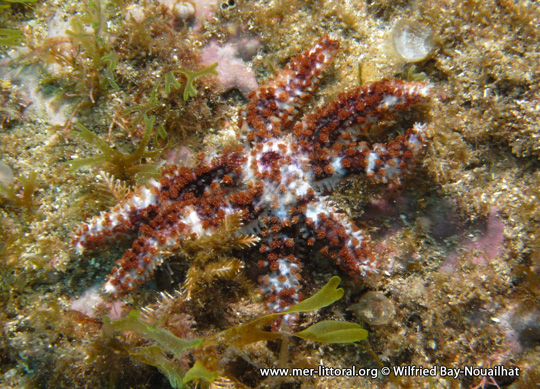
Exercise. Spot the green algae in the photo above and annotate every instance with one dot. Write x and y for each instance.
(8, 36)
(253, 331)
(331, 331)
(189, 89)
(97, 59)
(199, 372)
(22, 193)
(111, 59)
(119, 164)
(329, 294)
(327, 331)
(153, 356)
(162, 337)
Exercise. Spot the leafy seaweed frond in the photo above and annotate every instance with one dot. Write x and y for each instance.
(207, 367)
(9, 37)
(189, 89)
(94, 46)
(163, 338)
(111, 59)
(85, 56)
(332, 331)
(122, 165)
(253, 331)
(21, 193)
(199, 372)
(154, 356)
(171, 82)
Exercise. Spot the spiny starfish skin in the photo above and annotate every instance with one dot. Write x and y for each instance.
(277, 182)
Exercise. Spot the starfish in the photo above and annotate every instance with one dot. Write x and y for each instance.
(277, 182)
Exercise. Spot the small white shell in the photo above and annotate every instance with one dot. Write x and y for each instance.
(6, 175)
(412, 41)
(184, 10)
(374, 308)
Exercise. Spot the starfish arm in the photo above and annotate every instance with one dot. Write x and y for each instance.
(178, 191)
(385, 162)
(281, 286)
(149, 250)
(341, 239)
(330, 135)
(136, 265)
(350, 116)
(120, 222)
(164, 234)
(273, 106)
(157, 240)
(323, 226)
